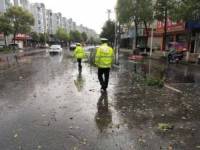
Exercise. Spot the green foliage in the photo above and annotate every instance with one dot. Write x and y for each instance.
(43, 38)
(62, 35)
(154, 82)
(164, 8)
(128, 11)
(125, 11)
(35, 37)
(187, 10)
(5, 26)
(5, 50)
(165, 127)
(108, 31)
(21, 20)
(75, 36)
(84, 36)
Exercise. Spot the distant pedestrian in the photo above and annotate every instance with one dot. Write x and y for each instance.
(103, 60)
(79, 54)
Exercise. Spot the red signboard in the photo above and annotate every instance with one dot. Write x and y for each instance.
(22, 37)
(171, 26)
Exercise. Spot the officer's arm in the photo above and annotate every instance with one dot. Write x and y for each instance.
(97, 57)
(75, 51)
(113, 56)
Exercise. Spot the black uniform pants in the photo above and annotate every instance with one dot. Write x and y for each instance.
(103, 75)
(79, 63)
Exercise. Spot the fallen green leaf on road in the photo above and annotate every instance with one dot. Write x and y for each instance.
(165, 126)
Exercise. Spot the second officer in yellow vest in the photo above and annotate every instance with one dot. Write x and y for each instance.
(103, 60)
(79, 54)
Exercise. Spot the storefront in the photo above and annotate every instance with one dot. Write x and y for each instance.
(175, 33)
(194, 27)
(22, 40)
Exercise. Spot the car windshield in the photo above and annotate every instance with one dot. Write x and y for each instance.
(55, 46)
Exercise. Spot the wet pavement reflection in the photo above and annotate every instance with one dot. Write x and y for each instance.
(104, 115)
(48, 104)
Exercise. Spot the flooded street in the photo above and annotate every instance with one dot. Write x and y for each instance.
(47, 105)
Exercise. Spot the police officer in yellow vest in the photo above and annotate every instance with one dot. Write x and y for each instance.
(79, 54)
(103, 60)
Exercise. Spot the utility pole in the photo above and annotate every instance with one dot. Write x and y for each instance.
(108, 12)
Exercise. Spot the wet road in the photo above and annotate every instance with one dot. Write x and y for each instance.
(45, 104)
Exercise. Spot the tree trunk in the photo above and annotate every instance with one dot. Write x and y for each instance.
(14, 37)
(5, 40)
(136, 34)
(147, 33)
(165, 31)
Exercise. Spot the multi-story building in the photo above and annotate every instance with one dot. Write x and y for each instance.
(39, 12)
(4, 4)
(22, 3)
(57, 21)
(49, 21)
(65, 24)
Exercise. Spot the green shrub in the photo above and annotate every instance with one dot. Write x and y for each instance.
(154, 82)
(163, 57)
(5, 50)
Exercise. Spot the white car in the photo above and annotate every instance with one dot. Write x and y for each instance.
(55, 49)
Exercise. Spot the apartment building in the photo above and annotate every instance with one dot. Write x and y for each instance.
(57, 21)
(4, 4)
(39, 12)
(22, 3)
(49, 21)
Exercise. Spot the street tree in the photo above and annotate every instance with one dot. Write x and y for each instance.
(5, 27)
(137, 11)
(108, 31)
(21, 20)
(145, 15)
(163, 10)
(75, 36)
(62, 35)
(35, 37)
(84, 37)
(43, 38)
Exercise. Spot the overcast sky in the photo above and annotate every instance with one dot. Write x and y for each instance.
(90, 13)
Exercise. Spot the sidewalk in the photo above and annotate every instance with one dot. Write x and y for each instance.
(13, 58)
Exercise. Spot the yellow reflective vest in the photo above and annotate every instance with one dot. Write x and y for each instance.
(79, 52)
(104, 56)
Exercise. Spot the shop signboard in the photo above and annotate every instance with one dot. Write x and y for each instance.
(171, 26)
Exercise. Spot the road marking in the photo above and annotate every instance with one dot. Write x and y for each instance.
(172, 88)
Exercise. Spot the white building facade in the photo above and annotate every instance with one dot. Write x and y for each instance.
(49, 21)
(22, 3)
(39, 12)
(4, 4)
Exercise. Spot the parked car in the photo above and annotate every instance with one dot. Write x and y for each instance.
(72, 47)
(55, 49)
